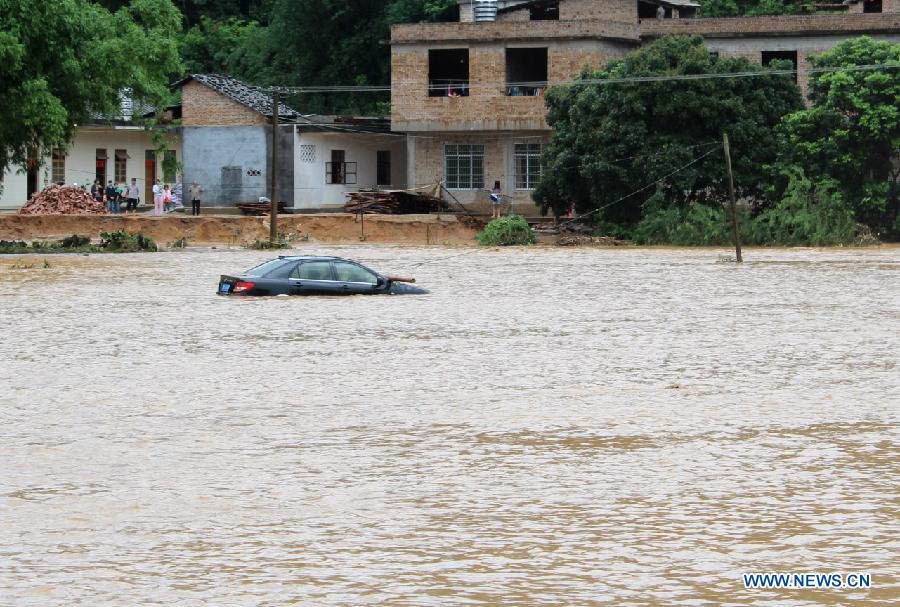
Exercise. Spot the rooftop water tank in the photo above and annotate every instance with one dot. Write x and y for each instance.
(485, 10)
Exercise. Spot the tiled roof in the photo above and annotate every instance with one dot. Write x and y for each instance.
(250, 96)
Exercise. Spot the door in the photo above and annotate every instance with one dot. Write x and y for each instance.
(314, 278)
(232, 184)
(355, 279)
(100, 174)
(149, 175)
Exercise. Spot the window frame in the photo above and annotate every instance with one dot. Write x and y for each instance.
(334, 268)
(313, 261)
(57, 165)
(120, 166)
(530, 157)
(475, 151)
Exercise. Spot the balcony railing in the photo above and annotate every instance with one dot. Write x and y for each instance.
(443, 87)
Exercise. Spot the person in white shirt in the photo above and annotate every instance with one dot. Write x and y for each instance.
(132, 196)
(157, 198)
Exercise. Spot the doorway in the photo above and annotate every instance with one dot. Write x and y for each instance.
(149, 175)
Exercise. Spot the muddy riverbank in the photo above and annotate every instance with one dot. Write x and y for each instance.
(238, 231)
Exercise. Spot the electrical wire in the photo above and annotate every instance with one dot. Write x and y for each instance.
(578, 82)
(649, 185)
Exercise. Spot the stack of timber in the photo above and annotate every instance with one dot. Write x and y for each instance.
(393, 202)
(259, 208)
(61, 200)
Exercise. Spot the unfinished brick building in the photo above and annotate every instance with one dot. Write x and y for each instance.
(469, 94)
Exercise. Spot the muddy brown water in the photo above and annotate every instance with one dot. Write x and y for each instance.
(548, 427)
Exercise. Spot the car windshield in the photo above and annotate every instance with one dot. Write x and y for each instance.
(264, 268)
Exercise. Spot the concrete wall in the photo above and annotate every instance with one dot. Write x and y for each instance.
(80, 164)
(425, 157)
(207, 150)
(806, 46)
(313, 149)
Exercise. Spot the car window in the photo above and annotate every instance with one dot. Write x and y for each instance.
(313, 270)
(350, 272)
(264, 268)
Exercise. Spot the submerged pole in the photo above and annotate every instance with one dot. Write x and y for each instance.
(734, 221)
(273, 213)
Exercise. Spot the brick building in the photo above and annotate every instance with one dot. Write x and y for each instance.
(227, 140)
(469, 93)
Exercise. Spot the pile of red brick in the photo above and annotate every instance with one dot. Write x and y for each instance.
(60, 200)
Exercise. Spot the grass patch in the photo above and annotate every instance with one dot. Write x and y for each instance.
(264, 245)
(110, 242)
(506, 231)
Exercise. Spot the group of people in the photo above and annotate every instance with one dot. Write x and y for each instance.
(114, 195)
(164, 198)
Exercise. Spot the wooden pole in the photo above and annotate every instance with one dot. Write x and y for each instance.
(273, 213)
(734, 221)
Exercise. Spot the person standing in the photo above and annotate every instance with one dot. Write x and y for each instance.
(112, 198)
(97, 191)
(195, 191)
(167, 199)
(496, 200)
(132, 196)
(157, 198)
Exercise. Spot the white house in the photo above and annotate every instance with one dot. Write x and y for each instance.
(117, 152)
(335, 155)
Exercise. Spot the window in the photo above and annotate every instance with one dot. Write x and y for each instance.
(384, 168)
(526, 71)
(121, 166)
(448, 72)
(100, 174)
(872, 6)
(313, 270)
(545, 11)
(648, 10)
(769, 56)
(59, 165)
(266, 267)
(338, 171)
(307, 153)
(169, 166)
(528, 165)
(349, 272)
(464, 166)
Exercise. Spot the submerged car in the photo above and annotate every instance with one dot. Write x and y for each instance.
(306, 275)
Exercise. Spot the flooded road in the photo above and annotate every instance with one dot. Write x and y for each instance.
(548, 427)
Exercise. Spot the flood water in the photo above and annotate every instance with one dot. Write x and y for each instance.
(548, 427)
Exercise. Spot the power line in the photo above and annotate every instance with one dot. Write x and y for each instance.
(577, 82)
(648, 186)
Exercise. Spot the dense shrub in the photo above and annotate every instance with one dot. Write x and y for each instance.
(126, 242)
(506, 231)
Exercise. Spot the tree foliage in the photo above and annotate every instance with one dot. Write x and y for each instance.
(849, 138)
(750, 8)
(612, 141)
(62, 62)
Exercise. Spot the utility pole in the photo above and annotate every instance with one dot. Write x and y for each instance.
(734, 222)
(273, 214)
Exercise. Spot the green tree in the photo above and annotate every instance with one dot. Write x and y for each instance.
(850, 136)
(613, 140)
(735, 8)
(62, 62)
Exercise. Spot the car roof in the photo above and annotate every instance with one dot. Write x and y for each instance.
(292, 257)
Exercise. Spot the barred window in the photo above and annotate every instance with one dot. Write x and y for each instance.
(528, 165)
(59, 165)
(121, 166)
(464, 166)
